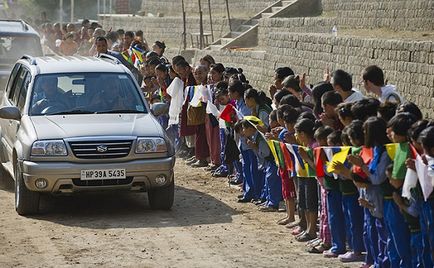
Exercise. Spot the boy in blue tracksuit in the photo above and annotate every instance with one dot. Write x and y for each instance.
(266, 164)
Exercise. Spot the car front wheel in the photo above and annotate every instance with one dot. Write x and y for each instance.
(162, 198)
(26, 201)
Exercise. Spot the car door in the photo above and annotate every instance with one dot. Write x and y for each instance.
(4, 124)
(11, 126)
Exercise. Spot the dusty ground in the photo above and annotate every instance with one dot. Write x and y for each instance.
(206, 228)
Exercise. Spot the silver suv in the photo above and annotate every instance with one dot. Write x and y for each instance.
(73, 124)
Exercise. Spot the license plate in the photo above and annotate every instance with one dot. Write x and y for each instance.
(103, 174)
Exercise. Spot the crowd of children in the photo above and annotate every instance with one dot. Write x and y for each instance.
(362, 166)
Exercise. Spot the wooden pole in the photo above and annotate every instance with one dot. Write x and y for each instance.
(229, 15)
(210, 20)
(184, 21)
(201, 25)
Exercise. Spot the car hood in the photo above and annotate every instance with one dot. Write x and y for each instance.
(71, 126)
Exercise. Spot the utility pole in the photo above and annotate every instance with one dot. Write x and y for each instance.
(61, 13)
(184, 33)
(210, 20)
(201, 25)
(72, 10)
(229, 15)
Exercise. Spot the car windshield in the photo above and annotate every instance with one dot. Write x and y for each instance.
(13, 47)
(85, 93)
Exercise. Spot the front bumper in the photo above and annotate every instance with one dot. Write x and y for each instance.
(64, 177)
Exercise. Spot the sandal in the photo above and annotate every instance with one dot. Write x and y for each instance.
(284, 221)
(305, 237)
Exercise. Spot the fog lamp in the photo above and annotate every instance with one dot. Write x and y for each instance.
(41, 183)
(160, 179)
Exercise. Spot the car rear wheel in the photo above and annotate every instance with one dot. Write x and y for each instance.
(26, 201)
(162, 198)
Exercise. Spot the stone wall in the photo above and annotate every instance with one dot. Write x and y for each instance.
(399, 15)
(238, 8)
(167, 29)
(409, 65)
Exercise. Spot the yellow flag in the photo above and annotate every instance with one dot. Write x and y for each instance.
(273, 151)
(254, 120)
(391, 150)
(339, 157)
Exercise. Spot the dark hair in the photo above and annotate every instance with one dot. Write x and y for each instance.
(273, 115)
(331, 98)
(84, 21)
(355, 131)
(177, 59)
(293, 82)
(322, 132)
(152, 54)
(119, 31)
(209, 59)
(387, 110)
(317, 92)
(229, 71)
(153, 61)
(374, 74)
(412, 108)
(307, 115)
(401, 123)
(222, 85)
(139, 33)
(182, 64)
(218, 67)
(416, 129)
(237, 86)
(129, 34)
(375, 132)
(344, 110)
(280, 94)
(247, 124)
(240, 76)
(160, 44)
(343, 79)
(259, 96)
(306, 126)
(282, 109)
(345, 137)
(427, 138)
(291, 100)
(290, 115)
(238, 126)
(365, 108)
(162, 67)
(100, 39)
(113, 36)
(335, 137)
(283, 72)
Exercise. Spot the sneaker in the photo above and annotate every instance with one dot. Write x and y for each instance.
(351, 256)
(329, 254)
(199, 164)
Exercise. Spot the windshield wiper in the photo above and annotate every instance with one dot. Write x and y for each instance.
(76, 111)
(121, 111)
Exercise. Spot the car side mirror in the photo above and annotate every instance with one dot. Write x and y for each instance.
(10, 112)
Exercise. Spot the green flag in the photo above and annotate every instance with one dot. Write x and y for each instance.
(401, 155)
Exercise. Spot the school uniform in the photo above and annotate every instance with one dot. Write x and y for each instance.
(336, 216)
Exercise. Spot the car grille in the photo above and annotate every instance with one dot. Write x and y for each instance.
(101, 150)
(78, 182)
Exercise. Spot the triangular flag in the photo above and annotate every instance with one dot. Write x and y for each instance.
(289, 160)
(273, 151)
(338, 157)
(228, 114)
(254, 120)
(391, 150)
(319, 162)
(399, 166)
(279, 153)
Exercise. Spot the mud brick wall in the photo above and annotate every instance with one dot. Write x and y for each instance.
(399, 15)
(409, 65)
(238, 8)
(167, 29)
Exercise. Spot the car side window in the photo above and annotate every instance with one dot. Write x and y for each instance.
(15, 91)
(12, 77)
(23, 92)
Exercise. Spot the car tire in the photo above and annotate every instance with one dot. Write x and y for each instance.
(162, 198)
(26, 201)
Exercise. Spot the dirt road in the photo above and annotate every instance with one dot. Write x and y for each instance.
(206, 228)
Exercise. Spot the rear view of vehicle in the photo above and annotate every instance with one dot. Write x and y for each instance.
(16, 39)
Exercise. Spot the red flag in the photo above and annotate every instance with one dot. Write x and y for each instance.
(287, 157)
(367, 154)
(228, 114)
(319, 162)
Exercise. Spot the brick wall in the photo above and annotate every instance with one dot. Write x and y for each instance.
(409, 65)
(398, 15)
(167, 29)
(238, 8)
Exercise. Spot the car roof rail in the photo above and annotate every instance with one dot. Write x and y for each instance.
(30, 59)
(109, 57)
(24, 24)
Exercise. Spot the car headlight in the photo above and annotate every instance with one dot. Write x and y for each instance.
(49, 148)
(151, 145)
